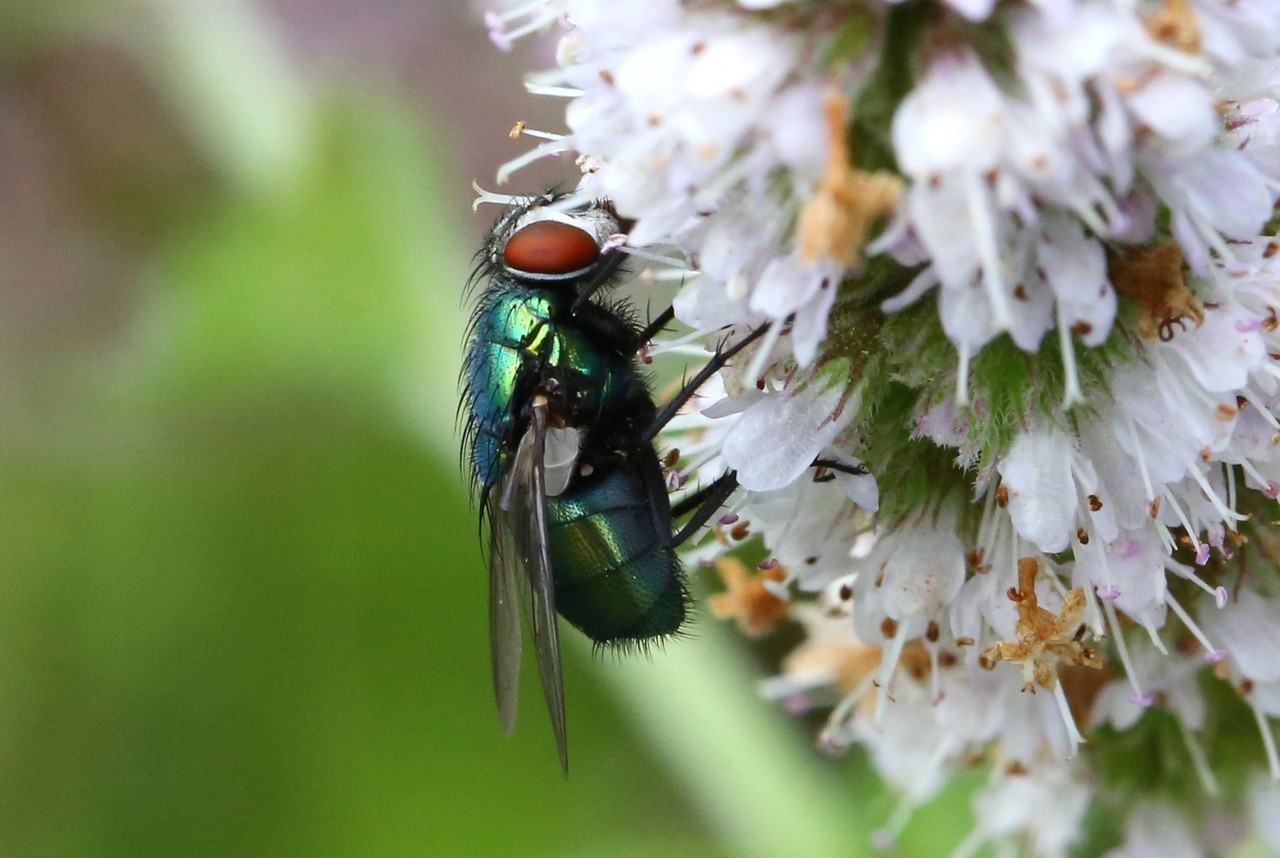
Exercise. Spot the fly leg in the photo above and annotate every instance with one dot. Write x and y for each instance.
(663, 319)
(703, 503)
(717, 362)
(602, 276)
(707, 501)
(836, 465)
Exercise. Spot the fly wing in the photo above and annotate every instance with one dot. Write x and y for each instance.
(542, 604)
(520, 560)
(505, 640)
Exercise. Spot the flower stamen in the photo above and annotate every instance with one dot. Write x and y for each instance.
(747, 600)
(1153, 277)
(1043, 639)
(1196, 752)
(1268, 738)
(543, 150)
(1211, 653)
(1176, 25)
(834, 223)
(1139, 697)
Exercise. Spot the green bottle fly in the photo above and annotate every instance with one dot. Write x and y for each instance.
(559, 428)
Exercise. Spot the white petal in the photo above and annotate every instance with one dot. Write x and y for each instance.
(862, 490)
(738, 65)
(974, 10)
(1156, 830)
(784, 285)
(1177, 108)
(1075, 267)
(776, 439)
(1249, 629)
(1042, 492)
(951, 120)
(923, 577)
(809, 328)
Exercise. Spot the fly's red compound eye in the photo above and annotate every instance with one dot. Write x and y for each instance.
(550, 247)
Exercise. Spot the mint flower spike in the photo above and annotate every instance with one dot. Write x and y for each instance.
(1020, 264)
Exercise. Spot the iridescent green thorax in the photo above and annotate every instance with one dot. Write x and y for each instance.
(617, 577)
(525, 338)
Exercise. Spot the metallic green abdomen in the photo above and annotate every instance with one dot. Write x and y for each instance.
(617, 577)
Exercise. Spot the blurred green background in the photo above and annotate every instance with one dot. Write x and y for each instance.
(242, 608)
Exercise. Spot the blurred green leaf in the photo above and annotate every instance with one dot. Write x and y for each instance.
(343, 283)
